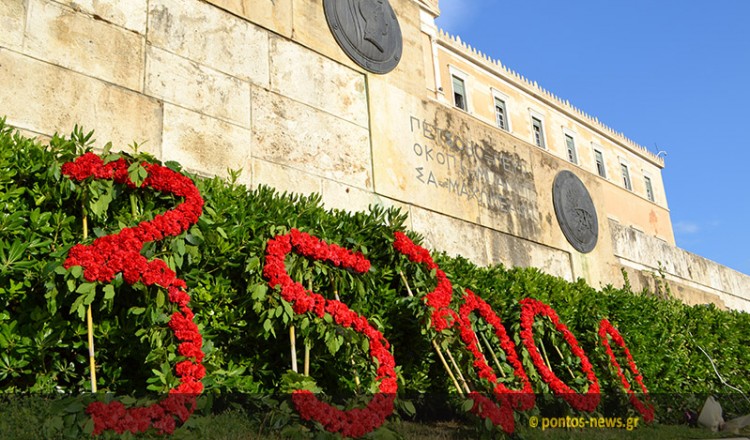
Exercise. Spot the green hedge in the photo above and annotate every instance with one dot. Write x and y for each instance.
(245, 324)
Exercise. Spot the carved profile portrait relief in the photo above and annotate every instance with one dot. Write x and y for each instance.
(575, 211)
(367, 31)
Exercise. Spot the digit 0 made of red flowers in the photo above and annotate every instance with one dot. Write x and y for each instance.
(355, 422)
(530, 308)
(438, 301)
(121, 253)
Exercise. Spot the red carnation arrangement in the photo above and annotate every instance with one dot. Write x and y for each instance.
(350, 423)
(530, 308)
(117, 253)
(606, 329)
(509, 399)
(439, 299)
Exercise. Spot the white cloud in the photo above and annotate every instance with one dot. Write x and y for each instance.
(685, 227)
(454, 14)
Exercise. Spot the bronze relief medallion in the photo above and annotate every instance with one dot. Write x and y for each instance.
(575, 211)
(367, 31)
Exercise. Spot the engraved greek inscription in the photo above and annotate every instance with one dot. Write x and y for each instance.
(427, 153)
(472, 168)
(429, 130)
(431, 179)
(459, 143)
(448, 162)
(411, 121)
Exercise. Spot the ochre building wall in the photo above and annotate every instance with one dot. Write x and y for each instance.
(263, 86)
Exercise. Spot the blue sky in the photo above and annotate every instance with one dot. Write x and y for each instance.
(671, 75)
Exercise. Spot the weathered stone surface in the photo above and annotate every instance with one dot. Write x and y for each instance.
(428, 156)
(284, 178)
(454, 236)
(349, 198)
(635, 248)
(307, 77)
(188, 84)
(204, 33)
(517, 252)
(92, 47)
(46, 99)
(129, 14)
(289, 133)
(203, 143)
(275, 15)
(12, 19)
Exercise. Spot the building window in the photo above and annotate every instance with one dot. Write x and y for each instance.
(626, 177)
(571, 147)
(501, 116)
(649, 188)
(537, 131)
(459, 93)
(600, 163)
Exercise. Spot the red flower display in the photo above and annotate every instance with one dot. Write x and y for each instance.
(355, 422)
(509, 399)
(439, 299)
(121, 253)
(606, 329)
(584, 402)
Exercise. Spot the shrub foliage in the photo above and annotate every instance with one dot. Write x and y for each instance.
(245, 324)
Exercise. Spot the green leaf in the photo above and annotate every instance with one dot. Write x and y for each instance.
(90, 297)
(137, 173)
(252, 264)
(259, 292)
(76, 271)
(109, 291)
(86, 288)
(409, 408)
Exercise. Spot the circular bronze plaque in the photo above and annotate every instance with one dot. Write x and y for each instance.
(575, 211)
(367, 31)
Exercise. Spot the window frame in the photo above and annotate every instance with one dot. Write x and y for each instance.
(625, 179)
(598, 149)
(502, 97)
(535, 115)
(570, 134)
(650, 195)
(455, 73)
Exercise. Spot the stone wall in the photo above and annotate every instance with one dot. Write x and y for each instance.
(692, 278)
(264, 87)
